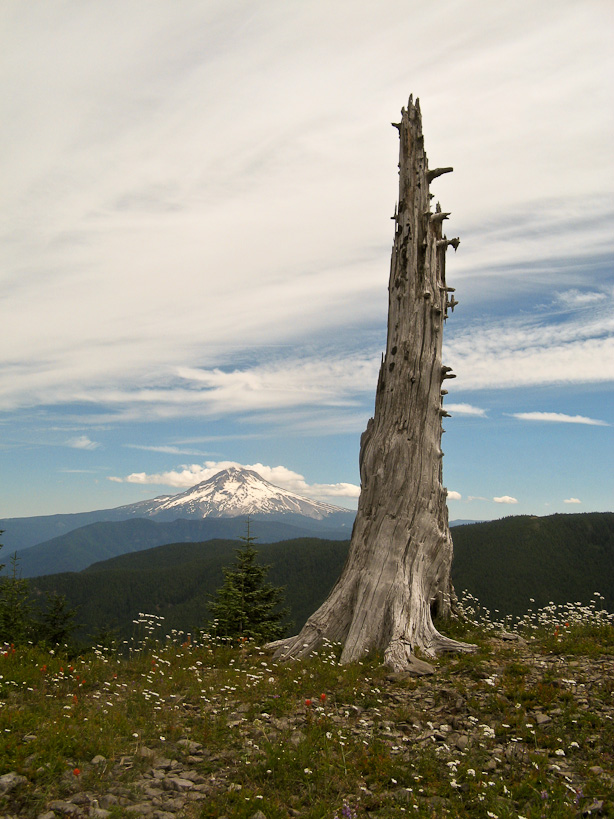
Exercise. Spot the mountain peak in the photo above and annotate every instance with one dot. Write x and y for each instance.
(235, 491)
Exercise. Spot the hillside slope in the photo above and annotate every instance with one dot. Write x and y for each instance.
(176, 581)
(90, 544)
(504, 563)
(559, 558)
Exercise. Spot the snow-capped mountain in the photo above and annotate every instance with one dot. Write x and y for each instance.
(230, 493)
(217, 503)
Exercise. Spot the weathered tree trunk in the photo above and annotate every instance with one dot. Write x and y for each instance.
(397, 575)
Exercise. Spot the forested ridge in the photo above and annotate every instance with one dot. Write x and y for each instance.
(559, 558)
(177, 581)
(504, 563)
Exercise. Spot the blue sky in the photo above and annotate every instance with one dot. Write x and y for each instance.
(195, 240)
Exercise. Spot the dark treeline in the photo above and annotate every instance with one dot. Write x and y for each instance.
(504, 563)
(558, 558)
(178, 581)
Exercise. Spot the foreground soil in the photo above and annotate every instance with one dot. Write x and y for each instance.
(518, 729)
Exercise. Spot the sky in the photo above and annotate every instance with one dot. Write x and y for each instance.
(195, 244)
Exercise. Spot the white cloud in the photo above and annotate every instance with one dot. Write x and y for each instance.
(576, 298)
(453, 495)
(534, 350)
(126, 172)
(558, 418)
(505, 499)
(82, 442)
(332, 381)
(465, 409)
(192, 474)
(572, 500)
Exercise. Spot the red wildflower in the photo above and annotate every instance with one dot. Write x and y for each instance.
(307, 703)
(322, 697)
(76, 771)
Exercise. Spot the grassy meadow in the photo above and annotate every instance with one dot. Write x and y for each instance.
(523, 727)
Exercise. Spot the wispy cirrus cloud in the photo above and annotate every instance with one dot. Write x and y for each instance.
(166, 450)
(558, 418)
(161, 264)
(160, 220)
(539, 348)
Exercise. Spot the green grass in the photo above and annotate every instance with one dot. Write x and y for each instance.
(319, 739)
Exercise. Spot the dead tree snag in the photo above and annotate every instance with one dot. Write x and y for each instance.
(397, 575)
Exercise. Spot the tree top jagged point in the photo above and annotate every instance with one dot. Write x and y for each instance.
(397, 574)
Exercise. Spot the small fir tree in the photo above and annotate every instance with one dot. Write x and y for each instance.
(57, 622)
(247, 605)
(16, 623)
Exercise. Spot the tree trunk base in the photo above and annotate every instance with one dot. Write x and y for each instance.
(399, 655)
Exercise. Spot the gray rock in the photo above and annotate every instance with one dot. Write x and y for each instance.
(177, 783)
(462, 742)
(594, 808)
(108, 800)
(65, 808)
(162, 762)
(190, 746)
(419, 668)
(297, 737)
(173, 805)
(510, 637)
(81, 799)
(10, 781)
(142, 809)
(596, 769)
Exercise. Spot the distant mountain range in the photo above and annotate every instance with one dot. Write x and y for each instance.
(504, 563)
(215, 508)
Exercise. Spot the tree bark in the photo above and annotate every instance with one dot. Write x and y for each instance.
(397, 575)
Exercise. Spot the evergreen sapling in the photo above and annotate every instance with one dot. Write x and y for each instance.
(246, 605)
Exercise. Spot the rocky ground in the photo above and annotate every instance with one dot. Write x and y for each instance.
(511, 732)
